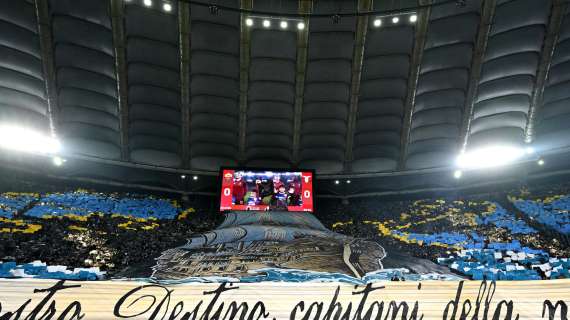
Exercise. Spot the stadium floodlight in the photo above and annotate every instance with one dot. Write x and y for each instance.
(529, 150)
(348, 181)
(336, 182)
(377, 22)
(183, 176)
(266, 23)
(487, 157)
(457, 174)
(147, 3)
(413, 18)
(395, 20)
(195, 177)
(283, 24)
(249, 22)
(540, 162)
(27, 140)
(301, 25)
(57, 161)
(167, 7)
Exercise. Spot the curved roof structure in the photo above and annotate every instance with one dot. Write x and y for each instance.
(197, 87)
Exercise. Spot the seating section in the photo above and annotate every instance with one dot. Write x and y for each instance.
(383, 90)
(214, 87)
(442, 85)
(83, 203)
(326, 101)
(553, 211)
(553, 115)
(22, 90)
(153, 86)
(85, 76)
(508, 73)
(11, 203)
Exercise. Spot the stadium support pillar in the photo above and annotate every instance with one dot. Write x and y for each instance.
(244, 61)
(417, 53)
(184, 40)
(46, 45)
(305, 7)
(553, 31)
(357, 60)
(117, 21)
(476, 64)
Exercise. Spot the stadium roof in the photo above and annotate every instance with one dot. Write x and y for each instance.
(201, 86)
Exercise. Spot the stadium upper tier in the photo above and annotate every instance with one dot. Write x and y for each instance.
(198, 87)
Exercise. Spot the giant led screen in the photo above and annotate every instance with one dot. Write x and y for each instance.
(260, 190)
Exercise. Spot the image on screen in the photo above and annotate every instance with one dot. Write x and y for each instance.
(261, 190)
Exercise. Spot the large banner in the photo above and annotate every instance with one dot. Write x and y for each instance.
(43, 299)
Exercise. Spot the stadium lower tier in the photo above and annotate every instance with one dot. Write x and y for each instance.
(85, 235)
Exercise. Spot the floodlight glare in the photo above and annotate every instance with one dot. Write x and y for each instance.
(301, 25)
(336, 182)
(167, 7)
(26, 140)
(540, 162)
(395, 20)
(283, 24)
(377, 22)
(195, 177)
(348, 181)
(147, 3)
(490, 157)
(413, 18)
(249, 22)
(266, 23)
(529, 150)
(457, 174)
(57, 161)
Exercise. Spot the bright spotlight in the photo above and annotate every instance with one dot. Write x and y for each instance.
(167, 7)
(147, 3)
(249, 22)
(57, 161)
(540, 162)
(336, 182)
(266, 23)
(457, 174)
(413, 18)
(395, 20)
(529, 150)
(183, 176)
(301, 25)
(26, 140)
(283, 24)
(377, 22)
(348, 181)
(195, 178)
(489, 157)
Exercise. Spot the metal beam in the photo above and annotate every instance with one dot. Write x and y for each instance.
(184, 41)
(415, 64)
(48, 62)
(305, 7)
(554, 25)
(244, 61)
(119, 45)
(476, 64)
(357, 61)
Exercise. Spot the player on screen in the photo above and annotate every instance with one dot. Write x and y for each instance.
(293, 198)
(239, 188)
(277, 183)
(280, 199)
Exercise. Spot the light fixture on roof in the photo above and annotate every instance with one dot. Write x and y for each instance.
(377, 22)
(301, 25)
(183, 176)
(540, 162)
(348, 181)
(167, 7)
(249, 22)
(57, 161)
(492, 156)
(147, 3)
(266, 23)
(336, 182)
(457, 174)
(195, 178)
(395, 20)
(283, 24)
(413, 18)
